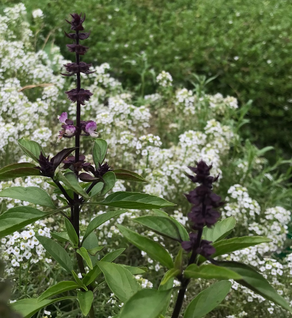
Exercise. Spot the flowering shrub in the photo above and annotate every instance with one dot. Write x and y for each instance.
(167, 132)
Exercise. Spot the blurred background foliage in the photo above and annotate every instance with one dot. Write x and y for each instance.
(245, 44)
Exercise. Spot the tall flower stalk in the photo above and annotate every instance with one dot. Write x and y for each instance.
(203, 213)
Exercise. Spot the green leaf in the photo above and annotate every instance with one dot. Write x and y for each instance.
(207, 300)
(99, 220)
(84, 254)
(120, 281)
(78, 280)
(29, 306)
(91, 242)
(61, 236)
(161, 225)
(153, 249)
(99, 151)
(95, 250)
(16, 218)
(16, 170)
(210, 271)
(127, 175)
(95, 272)
(178, 262)
(237, 243)
(85, 300)
(59, 288)
(71, 233)
(173, 272)
(71, 181)
(134, 200)
(109, 180)
(182, 231)
(134, 270)
(31, 148)
(220, 230)
(146, 303)
(30, 194)
(96, 189)
(57, 252)
(256, 282)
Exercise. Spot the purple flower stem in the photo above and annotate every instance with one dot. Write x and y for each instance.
(185, 281)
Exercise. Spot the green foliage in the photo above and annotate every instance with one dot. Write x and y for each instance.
(153, 249)
(210, 271)
(57, 289)
(85, 300)
(99, 152)
(16, 218)
(207, 300)
(220, 230)
(145, 304)
(256, 282)
(121, 282)
(57, 252)
(31, 194)
(133, 200)
(16, 170)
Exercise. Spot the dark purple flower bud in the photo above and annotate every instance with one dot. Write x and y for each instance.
(201, 218)
(77, 48)
(189, 245)
(79, 96)
(87, 177)
(103, 169)
(47, 166)
(76, 22)
(73, 68)
(206, 249)
(80, 36)
(69, 163)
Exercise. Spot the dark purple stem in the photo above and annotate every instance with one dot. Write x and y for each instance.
(185, 281)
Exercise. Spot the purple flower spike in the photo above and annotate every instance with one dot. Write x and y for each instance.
(90, 129)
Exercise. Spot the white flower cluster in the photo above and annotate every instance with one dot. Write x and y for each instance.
(164, 79)
(23, 248)
(37, 13)
(219, 104)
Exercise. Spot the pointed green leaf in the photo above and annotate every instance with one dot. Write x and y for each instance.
(237, 243)
(61, 236)
(59, 288)
(173, 272)
(256, 282)
(182, 231)
(134, 270)
(99, 151)
(207, 300)
(95, 272)
(99, 220)
(15, 170)
(71, 181)
(220, 230)
(127, 175)
(161, 225)
(30, 194)
(57, 252)
(120, 281)
(96, 189)
(78, 281)
(146, 303)
(153, 249)
(71, 233)
(210, 271)
(31, 148)
(85, 300)
(178, 262)
(134, 200)
(16, 218)
(29, 306)
(84, 254)
(109, 180)
(95, 250)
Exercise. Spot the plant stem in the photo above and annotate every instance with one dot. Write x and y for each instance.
(185, 281)
(70, 201)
